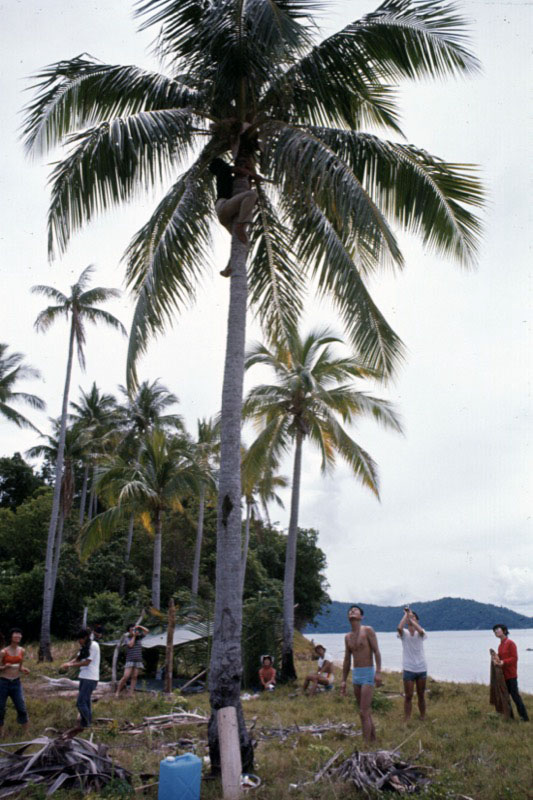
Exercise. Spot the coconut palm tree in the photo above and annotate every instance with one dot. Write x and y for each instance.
(259, 482)
(12, 370)
(144, 409)
(79, 308)
(94, 414)
(74, 451)
(150, 485)
(328, 212)
(206, 450)
(314, 390)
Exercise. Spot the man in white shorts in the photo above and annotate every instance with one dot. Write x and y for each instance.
(414, 662)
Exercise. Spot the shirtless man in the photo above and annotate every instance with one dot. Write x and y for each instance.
(362, 645)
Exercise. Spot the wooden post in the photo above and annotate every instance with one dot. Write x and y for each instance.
(169, 653)
(230, 753)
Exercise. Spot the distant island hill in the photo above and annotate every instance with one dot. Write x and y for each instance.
(446, 614)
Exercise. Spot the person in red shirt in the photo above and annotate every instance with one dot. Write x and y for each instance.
(267, 674)
(507, 658)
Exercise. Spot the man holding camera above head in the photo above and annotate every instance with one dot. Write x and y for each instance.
(134, 658)
(413, 637)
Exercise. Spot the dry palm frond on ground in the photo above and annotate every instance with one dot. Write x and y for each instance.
(383, 770)
(69, 763)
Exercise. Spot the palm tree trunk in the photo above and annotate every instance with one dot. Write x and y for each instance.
(288, 672)
(156, 571)
(83, 499)
(122, 587)
(199, 537)
(92, 496)
(226, 663)
(45, 653)
(266, 513)
(57, 552)
(249, 514)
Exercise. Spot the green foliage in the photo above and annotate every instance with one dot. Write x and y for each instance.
(23, 534)
(110, 609)
(261, 631)
(18, 482)
(96, 581)
(310, 589)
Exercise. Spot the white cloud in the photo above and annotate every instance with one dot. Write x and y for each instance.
(513, 586)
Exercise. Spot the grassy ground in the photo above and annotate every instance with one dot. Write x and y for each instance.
(472, 750)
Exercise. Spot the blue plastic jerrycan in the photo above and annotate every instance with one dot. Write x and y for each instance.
(180, 778)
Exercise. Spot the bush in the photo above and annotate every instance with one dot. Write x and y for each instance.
(262, 632)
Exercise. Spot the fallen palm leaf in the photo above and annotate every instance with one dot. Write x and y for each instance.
(163, 721)
(343, 728)
(63, 762)
(373, 772)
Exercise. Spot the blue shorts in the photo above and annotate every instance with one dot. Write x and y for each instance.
(413, 676)
(362, 676)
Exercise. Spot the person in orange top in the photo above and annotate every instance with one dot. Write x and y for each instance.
(11, 666)
(507, 658)
(267, 674)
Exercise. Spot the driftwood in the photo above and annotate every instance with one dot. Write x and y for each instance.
(67, 683)
(372, 772)
(164, 721)
(65, 762)
(344, 728)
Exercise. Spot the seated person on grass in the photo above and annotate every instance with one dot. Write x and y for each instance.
(324, 675)
(267, 674)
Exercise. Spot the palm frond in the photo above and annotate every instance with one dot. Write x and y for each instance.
(16, 417)
(99, 294)
(424, 194)
(166, 256)
(82, 91)
(361, 463)
(100, 529)
(48, 316)
(320, 245)
(108, 164)
(29, 399)
(99, 315)
(275, 277)
(310, 171)
(50, 292)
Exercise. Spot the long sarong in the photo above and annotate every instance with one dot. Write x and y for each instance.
(499, 696)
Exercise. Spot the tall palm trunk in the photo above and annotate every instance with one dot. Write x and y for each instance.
(45, 653)
(57, 552)
(83, 499)
(156, 571)
(129, 541)
(288, 672)
(249, 515)
(226, 664)
(199, 537)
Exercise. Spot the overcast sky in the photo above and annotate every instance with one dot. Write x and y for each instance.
(454, 515)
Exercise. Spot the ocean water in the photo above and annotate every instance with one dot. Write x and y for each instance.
(460, 656)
